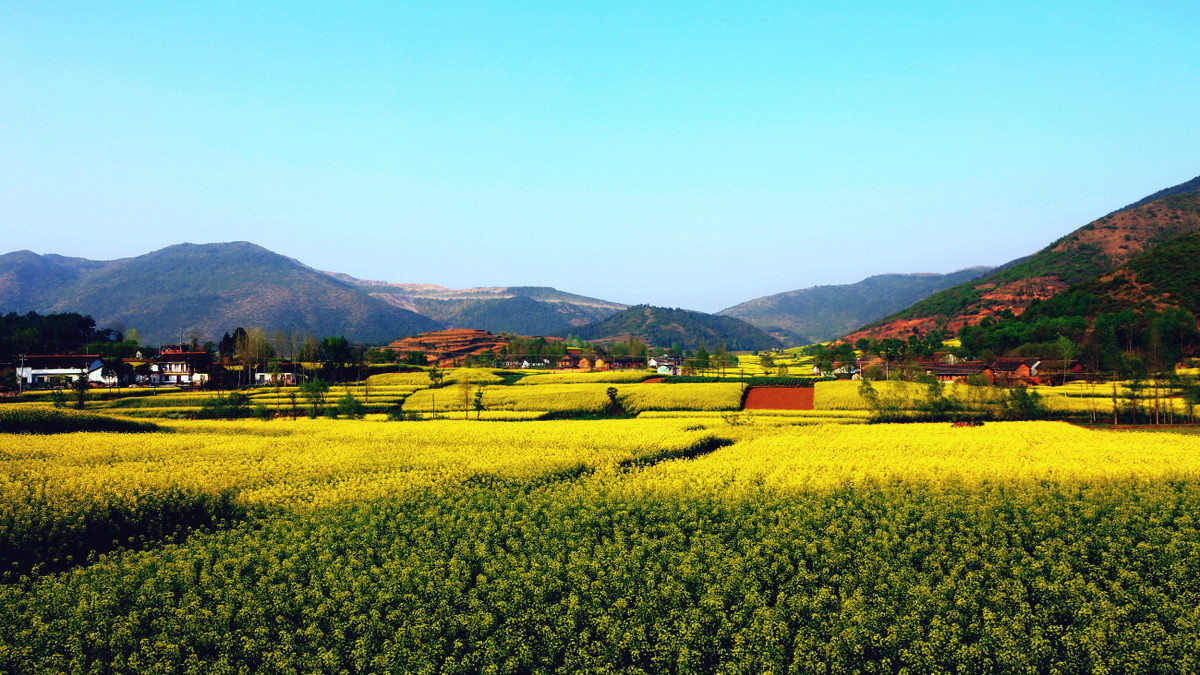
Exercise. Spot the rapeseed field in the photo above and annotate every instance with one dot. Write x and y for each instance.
(677, 541)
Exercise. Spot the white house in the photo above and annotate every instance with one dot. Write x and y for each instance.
(175, 366)
(45, 370)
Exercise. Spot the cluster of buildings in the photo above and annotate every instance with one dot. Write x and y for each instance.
(174, 365)
(1005, 372)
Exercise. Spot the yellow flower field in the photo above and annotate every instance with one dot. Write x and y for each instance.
(588, 398)
(310, 463)
(836, 455)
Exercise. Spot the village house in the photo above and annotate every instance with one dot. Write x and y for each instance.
(285, 375)
(175, 366)
(960, 371)
(845, 370)
(1011, 371)
(627, 362)
(39, 371)
(1057, 371)
(664, 365)
(526, 362)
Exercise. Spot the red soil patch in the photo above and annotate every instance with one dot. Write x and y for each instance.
(779, 398)
(654, 380)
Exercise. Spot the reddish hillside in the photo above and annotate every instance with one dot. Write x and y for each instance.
(1090, 252)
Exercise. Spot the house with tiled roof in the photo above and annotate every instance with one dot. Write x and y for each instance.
(1009, 371)
(958, 372)
(174, 366)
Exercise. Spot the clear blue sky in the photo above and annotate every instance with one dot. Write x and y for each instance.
(690, 154)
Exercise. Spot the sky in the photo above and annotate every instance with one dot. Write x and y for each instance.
(690, 155)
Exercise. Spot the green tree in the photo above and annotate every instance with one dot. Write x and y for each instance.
(350, 407)
(314, 392)
(478, 403)
(614, 406)
(80, 387)
(336, 351)
(702, 359)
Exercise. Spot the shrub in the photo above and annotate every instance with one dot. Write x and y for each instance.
(46, 421)
(350, 407)
(234, 406)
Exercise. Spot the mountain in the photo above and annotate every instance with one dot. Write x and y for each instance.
(823, 313)
(1140, 317)
(1191, 187)
(1090, 252)
(210, 287)
(662, 327)
(29, 280)
(1163, 277)
(525, 310)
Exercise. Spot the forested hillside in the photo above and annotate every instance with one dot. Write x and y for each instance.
(822, 313)
(663, 327)
(1090, 252)
(204, 288)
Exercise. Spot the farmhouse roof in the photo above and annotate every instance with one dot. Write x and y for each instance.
(1012, 364)
(59, 361)
(965, 369)
(1057, 365)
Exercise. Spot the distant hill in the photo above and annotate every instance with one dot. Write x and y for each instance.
(525, 310)
(823, 313)
(1096, 249)
(211, 287)
(662, 327)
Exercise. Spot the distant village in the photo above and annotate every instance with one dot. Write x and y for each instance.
(184, 365)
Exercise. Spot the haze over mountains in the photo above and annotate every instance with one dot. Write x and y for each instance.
(524, 310)
(826, 312)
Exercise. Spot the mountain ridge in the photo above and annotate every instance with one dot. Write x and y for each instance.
(824, 312)
(663, 327)
(212, 288)
(1088, 252)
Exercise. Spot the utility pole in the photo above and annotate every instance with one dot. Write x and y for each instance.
(21, 377)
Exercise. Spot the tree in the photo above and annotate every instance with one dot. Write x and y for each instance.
(111, 371)
(314, 392)
(614, 406)
(195, 335)
(767, 361)
(80, 386)
(336, 351)
(276, 373)
(350, 407)
(478, 404)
